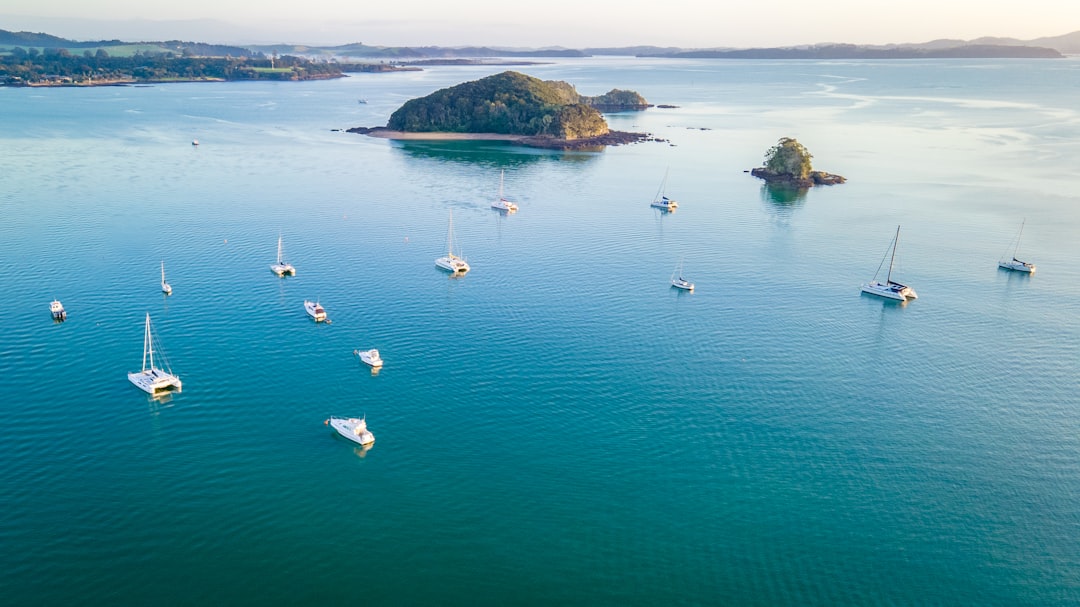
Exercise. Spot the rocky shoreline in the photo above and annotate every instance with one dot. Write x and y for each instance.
(536, 141)
(815, 178)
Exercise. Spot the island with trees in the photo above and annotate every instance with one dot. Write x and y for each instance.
(515, 107)
(788, 164)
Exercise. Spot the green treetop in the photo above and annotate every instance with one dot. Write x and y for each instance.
(789, 157)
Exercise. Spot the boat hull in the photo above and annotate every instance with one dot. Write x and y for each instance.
(315, 311)
(669, 206)
(1017, 266)
(370, 358)
(685, 285)
(452, 264)
(352, 428)
(283, 269)
(504, 205)
(155, 380)
(887, 291)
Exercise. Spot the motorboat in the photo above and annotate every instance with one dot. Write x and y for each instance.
(352, 428)
(57, 310)
(315, 310)
(369, 357)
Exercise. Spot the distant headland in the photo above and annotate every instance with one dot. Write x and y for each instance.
(515, 107)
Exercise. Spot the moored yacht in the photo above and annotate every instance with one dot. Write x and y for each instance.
(352, 428)
(57, 310)
(1013, 263)
(452, 262)
(315, 310)
(369, 357)
(281, 268)
(153, 379)
(890, 289)
(662, 201)
(502, 203)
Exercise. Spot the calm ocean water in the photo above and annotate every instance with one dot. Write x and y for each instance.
(559, 426)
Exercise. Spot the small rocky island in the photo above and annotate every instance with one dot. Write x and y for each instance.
(788, 164)
(514, 107)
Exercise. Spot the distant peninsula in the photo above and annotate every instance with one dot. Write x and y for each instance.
(514, 107)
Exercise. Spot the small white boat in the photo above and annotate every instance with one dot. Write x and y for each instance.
(152, 379)
(315, 310)
(678, 281)
(281, 268)
(662, 201)
(452, 262)
(195, 142)
(1013, 263)
(369, 357)
(502, 203)
(165, 287)
(57, 310)
(352, 428)
(890, 289)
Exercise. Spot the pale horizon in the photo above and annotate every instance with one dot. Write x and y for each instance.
(677, 23)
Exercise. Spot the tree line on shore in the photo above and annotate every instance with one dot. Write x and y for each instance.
(58, 65)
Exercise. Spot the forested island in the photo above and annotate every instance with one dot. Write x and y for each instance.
(788, 164)
(544, 113)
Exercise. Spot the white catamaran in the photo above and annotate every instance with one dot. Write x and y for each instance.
(281, 268)
(165, 287)
(890, 289)
(1013, 263)
(502, 203)
(152, 379)
(452, 262)
(662, 201)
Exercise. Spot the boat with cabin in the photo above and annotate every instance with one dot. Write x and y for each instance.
(890, 289)
(281, 268)
(452, 262)
(1014, 264)
(501, 203)
(57, 310)
(661, 201)
(315, 310)
(153, 379)
(166, 288)
(370, 357)
(352, 428)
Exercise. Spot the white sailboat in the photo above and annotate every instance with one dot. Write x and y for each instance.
(502, 203)
(661, 201)
(352, 428)
(452, 262)
(678, 281)
(165, 287)
(152, 379)
(281, 268)
(890, 289)
(1013, 263)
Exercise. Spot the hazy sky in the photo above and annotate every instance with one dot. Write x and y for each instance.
(574, 23)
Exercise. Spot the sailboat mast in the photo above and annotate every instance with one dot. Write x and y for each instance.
(896, 241)
(1018, 237)
(450, 236)
(279, 249)
(163, 272)
(147, 347)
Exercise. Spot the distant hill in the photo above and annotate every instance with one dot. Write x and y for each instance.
(851, 51)
(28, 40)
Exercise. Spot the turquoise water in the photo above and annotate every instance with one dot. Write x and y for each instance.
(559, 426)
